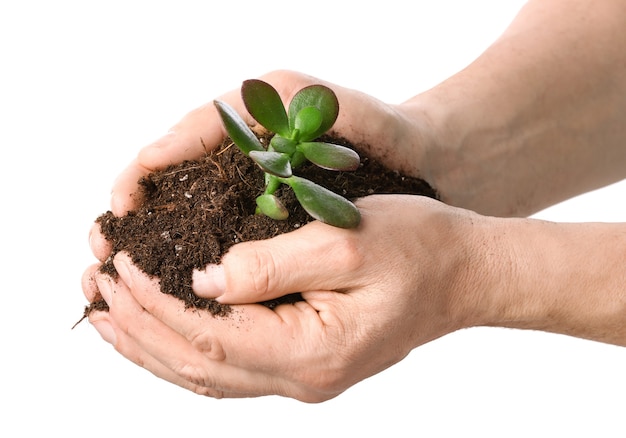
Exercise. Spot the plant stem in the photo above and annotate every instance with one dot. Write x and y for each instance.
(272, 184)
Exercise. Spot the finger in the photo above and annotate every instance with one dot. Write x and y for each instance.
(199, 360)
(266, 351)
(193, 136)
(171, 311)
(88, 283)
(196, 133)
(124, 196)
(109, 332)
(131, 351)
(100, 246)
(314, 257)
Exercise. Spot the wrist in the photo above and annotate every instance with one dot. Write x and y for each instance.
(482, 290)
(476, 156)
(560, 278)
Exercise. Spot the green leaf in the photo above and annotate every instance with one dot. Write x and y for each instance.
(330, 156)
(320, 97)
(237, 129)
(324, 205)
(264, 104)
(297, 159)
(307, 121)
(282, 144)
(275, 163)
(271, 206)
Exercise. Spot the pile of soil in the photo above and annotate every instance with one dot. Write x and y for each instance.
(193, 212)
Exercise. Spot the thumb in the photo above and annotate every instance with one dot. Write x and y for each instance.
(315, 257)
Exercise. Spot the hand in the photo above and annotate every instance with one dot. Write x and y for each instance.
(404, 277)
(389, 134)
(394, 136)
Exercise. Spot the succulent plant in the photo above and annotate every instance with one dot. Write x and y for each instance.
(296, 130)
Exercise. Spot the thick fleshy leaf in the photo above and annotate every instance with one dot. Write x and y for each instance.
(330, 156)
(282, 144)
(297, 159)
(307, 122)
(275, 163)
(324, 205)
(237, 129)
(271, 206)
(320, 97)
(264, 104)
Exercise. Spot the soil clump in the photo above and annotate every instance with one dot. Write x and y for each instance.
(191, 214)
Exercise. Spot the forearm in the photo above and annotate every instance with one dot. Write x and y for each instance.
(561, 278)
(539, 117)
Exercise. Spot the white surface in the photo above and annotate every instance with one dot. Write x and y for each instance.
(86, 84)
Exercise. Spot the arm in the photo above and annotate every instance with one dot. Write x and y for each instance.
(525, 117)
(536, 119)
(561, 278)
(539, 117)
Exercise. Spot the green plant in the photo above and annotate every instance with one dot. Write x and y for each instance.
(312, 112)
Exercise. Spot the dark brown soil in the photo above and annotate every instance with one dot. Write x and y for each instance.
(192, 213)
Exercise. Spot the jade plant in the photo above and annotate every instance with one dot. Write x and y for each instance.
(295, 132)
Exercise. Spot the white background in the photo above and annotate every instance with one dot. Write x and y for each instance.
(83, 85)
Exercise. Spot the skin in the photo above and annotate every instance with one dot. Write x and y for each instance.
(536, 119)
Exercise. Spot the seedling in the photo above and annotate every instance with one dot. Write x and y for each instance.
(312, 112)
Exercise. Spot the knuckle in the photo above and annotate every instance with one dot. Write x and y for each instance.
(322, 387)
(265, 272)
(195, 374)
(208, 346)
(349, 253)
(208, 392)
(342, 250)
(253, 269)
(196, 369)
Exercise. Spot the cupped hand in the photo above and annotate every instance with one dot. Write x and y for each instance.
(383, 131)
(407, 275)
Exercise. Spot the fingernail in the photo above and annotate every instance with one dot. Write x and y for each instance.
(123, 270)
(105, 288)
(106, 331)
(209, 282)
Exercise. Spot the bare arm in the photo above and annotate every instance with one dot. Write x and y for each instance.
(539, 117)
(554, 277)
(536, 119)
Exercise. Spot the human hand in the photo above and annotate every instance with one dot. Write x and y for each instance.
(389, 135)
(406, 276)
